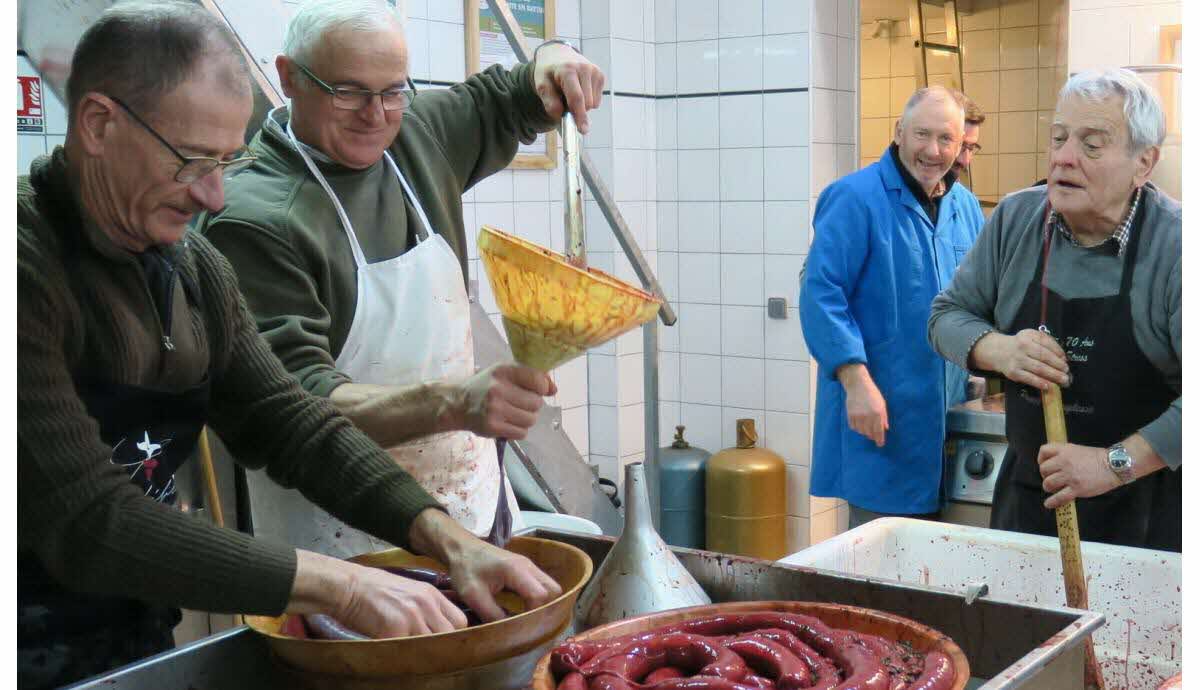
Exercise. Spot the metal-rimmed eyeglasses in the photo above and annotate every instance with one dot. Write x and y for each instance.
(192, 168)
(346, 98)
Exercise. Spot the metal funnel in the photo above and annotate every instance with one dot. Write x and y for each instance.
(640, 574)
(552, 310)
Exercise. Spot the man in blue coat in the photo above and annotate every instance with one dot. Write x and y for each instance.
(887, 239)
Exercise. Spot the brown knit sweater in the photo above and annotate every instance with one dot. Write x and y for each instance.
(84, 308)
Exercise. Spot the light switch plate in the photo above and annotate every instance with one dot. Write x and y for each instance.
(777, 307)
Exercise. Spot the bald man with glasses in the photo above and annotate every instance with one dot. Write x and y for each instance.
(350, 244)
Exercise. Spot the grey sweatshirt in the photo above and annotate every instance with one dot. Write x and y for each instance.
(988, 288)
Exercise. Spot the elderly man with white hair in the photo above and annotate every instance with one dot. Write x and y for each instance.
(348, 238)
(1077, 282)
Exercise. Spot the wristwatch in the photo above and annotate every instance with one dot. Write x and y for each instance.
(1120, 462)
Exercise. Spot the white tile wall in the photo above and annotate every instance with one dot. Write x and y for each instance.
(699, 227)
(700, 379)
(729, 419)
(743, 18)
(696, 272)
(699, 328)
(699, 175)
(786, 118)
(741, 121)
(786, 16)
(697, 70)
(741, 279)
(741, 227)
(703, 424)
(696, 20)
(742, 331)
(786, 61)
(743, 178)
(698, 123)
(740, 63)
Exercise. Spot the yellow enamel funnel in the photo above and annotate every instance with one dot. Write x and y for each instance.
(554, 311)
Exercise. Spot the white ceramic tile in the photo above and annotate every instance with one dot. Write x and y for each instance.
(729, 419)
(668, 226)
(741, 121)
(825, 16)
(668, 375)
(596, 18)
(630, 382)
(696, 20)
(631, 175)
(628, 66)
(648, 13)
(445, 11)
(599, 52)
(786, 61)
(824, 167)
(824, 61)
(667, 272)
(699, 226)
(785, 228)
(784, 337)
(631, 421)
(602, 429)
(698, 123)
(847, 19)
(665, 71)
(664, 21)
(416, 33)
(824, 115)
(847, 159)
(666, 125)
(571, 379)
(742, 331)
(742, 382)
(797, 533)
(651, 239)
(741, 279)
(703, 424)
(629, 122)
(786, 16)
(742, 18)
(496, 187)
(699, 172)
(787, 386)
(743, 179)
(627, 19)
(602, 159)
(781, 276)
(29, 147)
(568, 19)
(823, 525)
(607, 466)
(602, 379)
(575, 424)
(742, 227)
(787, 434)
(786, 172)
(530, 185)
(700, 379)
(498, 215)
(797, 489)
(698, 278)
(699, 328)
(416, 9)
(786, 118)
(649, 69)
(597, 235)
(446, 56)
(696, 67)
(847, 69)
(741, 63)
(667, 182)
(846, 119)
(668, 419)
(668, 336)
(531, 220)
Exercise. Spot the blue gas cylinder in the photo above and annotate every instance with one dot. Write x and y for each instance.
(681, 493)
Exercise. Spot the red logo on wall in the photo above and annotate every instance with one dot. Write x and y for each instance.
(30, 115)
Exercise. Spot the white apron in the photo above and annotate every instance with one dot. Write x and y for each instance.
(412, 323)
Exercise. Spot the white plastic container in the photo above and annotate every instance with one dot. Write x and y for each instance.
(1138, 590)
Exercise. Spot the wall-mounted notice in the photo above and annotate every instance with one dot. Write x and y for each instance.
(31, 116)
(487, 46)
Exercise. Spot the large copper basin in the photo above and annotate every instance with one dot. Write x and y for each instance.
(922, 638)
(404, 657)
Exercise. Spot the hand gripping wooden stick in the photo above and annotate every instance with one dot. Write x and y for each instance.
(1068, 537)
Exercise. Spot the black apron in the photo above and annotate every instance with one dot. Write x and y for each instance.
(1115, 391)
(65, 636)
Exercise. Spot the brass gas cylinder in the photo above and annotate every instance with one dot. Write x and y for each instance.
(746, 499)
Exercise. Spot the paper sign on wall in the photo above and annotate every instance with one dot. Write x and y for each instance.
(31, 116)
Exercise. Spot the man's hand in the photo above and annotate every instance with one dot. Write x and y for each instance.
(866, 410)
(478, 569)
(373, 602)
(1030, 357)
(502, 400)
(563, 74)
(1070, 472)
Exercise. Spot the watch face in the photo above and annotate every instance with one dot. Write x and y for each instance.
(1119, 459)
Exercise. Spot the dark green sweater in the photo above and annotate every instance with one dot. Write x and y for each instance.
(84, 308)
(282, 234)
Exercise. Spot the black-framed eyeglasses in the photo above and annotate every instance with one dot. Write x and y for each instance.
(346, 98)
(192, 168)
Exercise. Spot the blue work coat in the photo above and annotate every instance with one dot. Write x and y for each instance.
(875, 265)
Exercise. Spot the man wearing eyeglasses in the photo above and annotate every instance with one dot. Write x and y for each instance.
(973, 119)
(131, 337)
(350, 243)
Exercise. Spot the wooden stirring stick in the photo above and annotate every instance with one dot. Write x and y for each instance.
(1068, 537)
